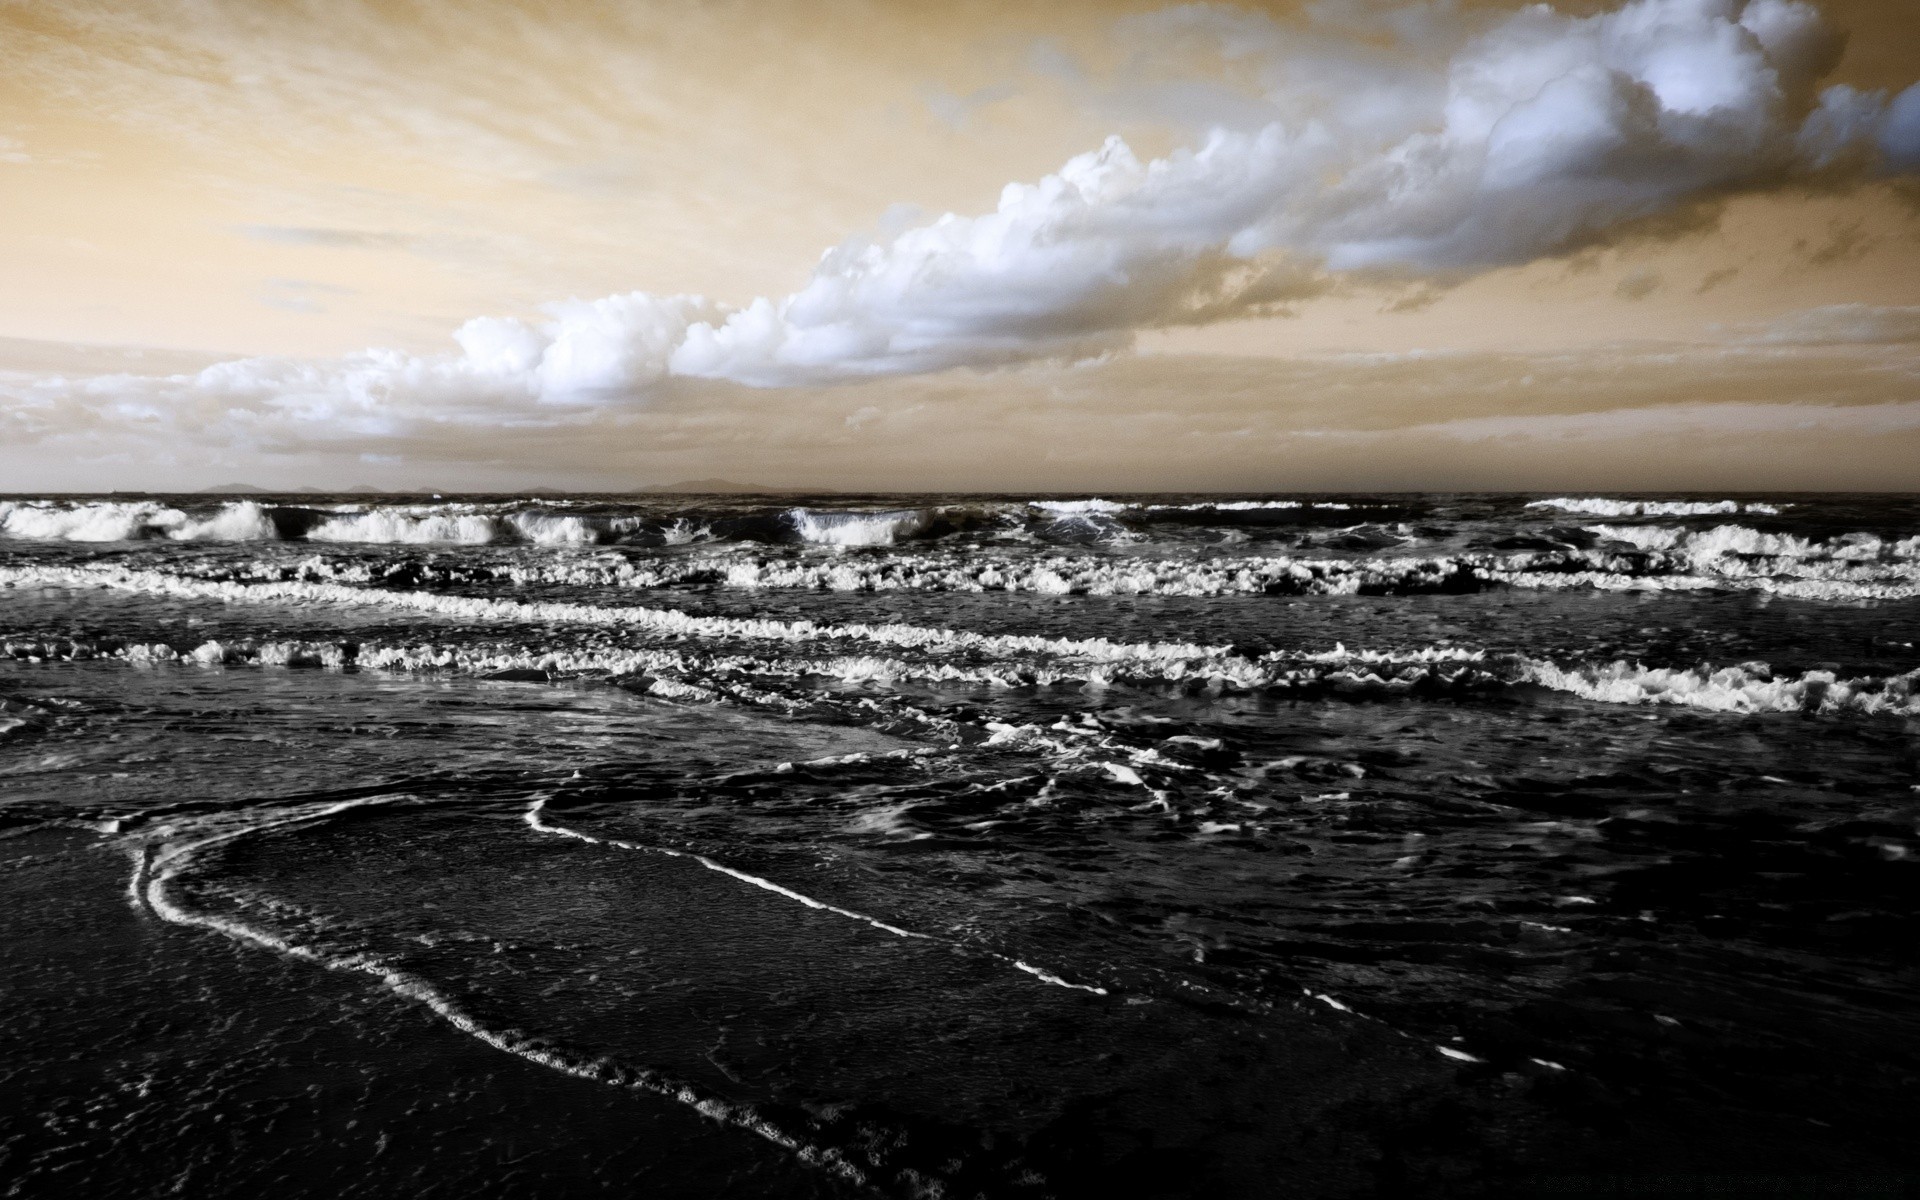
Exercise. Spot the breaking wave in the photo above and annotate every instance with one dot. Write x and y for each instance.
(390, 528)
(836, 528)
(126, 521)
(1601, 507)
(1852, 568)
(1747, 688)
(1725, 542)
(710, 675)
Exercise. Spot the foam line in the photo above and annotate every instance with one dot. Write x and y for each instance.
(1852, 566)
(536, 821)
(1748, 687)
(1602, 507)
(671, 622)
(1055, 980)
(413, 987)
(142, 865)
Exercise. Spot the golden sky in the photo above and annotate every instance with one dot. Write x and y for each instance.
(1345, 245)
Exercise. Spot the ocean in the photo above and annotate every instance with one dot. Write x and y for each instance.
(1306, 846)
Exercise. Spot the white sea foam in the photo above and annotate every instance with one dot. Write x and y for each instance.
(694, 676)
(828, 527)
(544, 529)
(1099, 507)
(153, 875)
(1097, 575)
(1738, 541)
(1829, 588)
(1251, 506)
(1746, 688)
(683, 532)
(1854, 574)
(131, 520)
(536, 820)
(103, 521)
(1011, 661)
(663, 622)
(393, 527)
(705, 677)
(1601, 507)
(241, 521)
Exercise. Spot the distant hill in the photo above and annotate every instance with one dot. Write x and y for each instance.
(234, 489)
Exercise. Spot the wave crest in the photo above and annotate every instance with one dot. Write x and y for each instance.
(1602, 507)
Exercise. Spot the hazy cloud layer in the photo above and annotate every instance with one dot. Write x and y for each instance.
(301, 235)
(1418, 144)
(1738, 415)
(1847, 324)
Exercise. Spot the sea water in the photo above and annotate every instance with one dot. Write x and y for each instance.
(956, 845)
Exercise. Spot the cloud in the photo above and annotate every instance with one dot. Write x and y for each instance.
(1420, 299)
(1845, 242)
(1899, 131)
(1713, 279)
(956, 112)
(1538, 133)
(1639, 285)
(1846, 325)
(300, 295)
(1411, 145)
(1709, 420)
(353, 239)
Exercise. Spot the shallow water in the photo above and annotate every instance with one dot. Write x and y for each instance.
(1324, 846)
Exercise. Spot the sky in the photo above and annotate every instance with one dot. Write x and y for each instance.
(985, 246)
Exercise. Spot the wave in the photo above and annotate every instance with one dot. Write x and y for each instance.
(810, 1140)
(241, 521)
(1748, 688)
(1601, 507)
(251, 521)
(685, 532)
(1738, 541)
(1111, 507)
(1098, 575)
(1220, 506)
(536, 821)
(389, 526)
(1849, 574)
(663, 622)
(705, 675)
(108, 522)
(837, 528)
(544, 529)
(384, 527)
(126, 521)
(1042, 575)
(1856, 566)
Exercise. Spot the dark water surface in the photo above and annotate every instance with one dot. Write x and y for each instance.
(739, 846)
